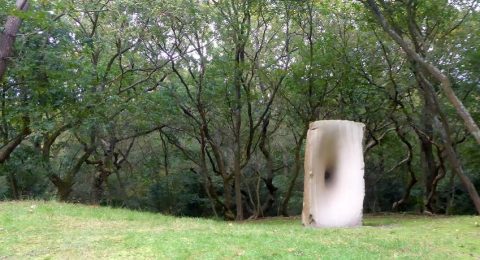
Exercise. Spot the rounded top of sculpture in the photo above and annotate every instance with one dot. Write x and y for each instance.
(323, 123)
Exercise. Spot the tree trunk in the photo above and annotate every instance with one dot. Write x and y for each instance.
(7, 38)
(413, 180)
(9, 147)
(223, 173)
(64, 187)
(238, 190)
(98, 186)
(237, 115)
(14, 186)
(227, 189)
(296, 171)
(207, 183)
(426, 151)
(64, 192)
(440, 174)
(445, 133)
(265, 149)
(451, 197)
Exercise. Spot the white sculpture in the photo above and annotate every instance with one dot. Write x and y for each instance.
(334, 186)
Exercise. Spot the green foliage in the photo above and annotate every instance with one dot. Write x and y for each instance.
(147, 93)
(178, 194)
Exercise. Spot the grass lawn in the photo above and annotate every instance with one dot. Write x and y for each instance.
(43, 230)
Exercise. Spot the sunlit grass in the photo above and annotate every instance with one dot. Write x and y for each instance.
(33, 229)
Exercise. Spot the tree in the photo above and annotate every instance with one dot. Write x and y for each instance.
(201, 108)
(7, 39)
(417, 55)
(434, 71)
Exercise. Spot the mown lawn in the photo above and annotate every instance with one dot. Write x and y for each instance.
(44, 230)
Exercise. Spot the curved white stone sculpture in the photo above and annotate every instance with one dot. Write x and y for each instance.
(334, 186)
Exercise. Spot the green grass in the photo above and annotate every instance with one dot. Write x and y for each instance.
(44, 230)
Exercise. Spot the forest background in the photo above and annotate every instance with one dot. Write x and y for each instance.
(201, 108)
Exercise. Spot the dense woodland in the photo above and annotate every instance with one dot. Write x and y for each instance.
(201, 108)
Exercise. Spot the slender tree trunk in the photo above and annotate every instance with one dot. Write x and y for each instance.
(121, 184)
(265, 149)
(238, 185)
(227, 189)
(7, 38)
(9, 147)
(296, 171)
(237, 115)
(440, 174)
(413, 180)
(426, 151)
(207, 184)
(451, 197)
(14, 186)
(98, 186)
(104, 170)
(165, 154)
